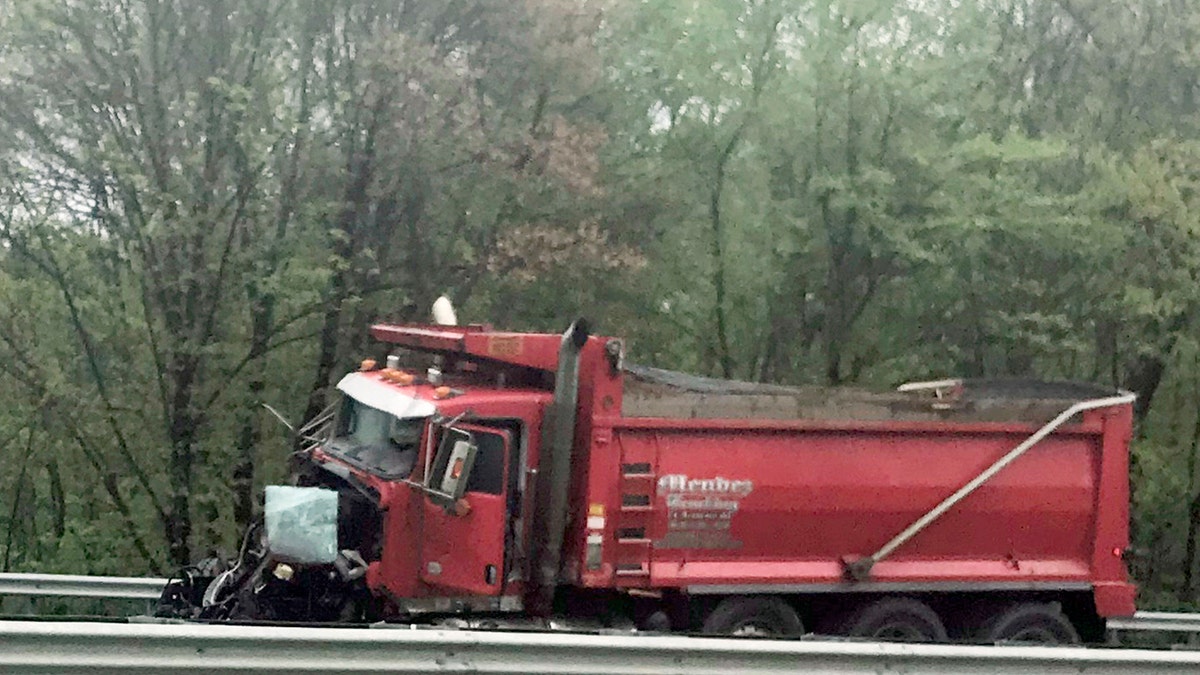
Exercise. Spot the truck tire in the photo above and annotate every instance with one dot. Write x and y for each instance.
(899, 619)
(1030, 622)
(758, 615)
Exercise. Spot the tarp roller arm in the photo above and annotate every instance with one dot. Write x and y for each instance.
(860, 569)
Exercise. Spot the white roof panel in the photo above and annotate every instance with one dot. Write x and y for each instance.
(367, 388)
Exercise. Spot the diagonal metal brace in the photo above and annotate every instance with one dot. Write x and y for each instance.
(860, 569)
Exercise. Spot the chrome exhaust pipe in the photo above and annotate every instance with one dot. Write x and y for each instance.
(554, 469)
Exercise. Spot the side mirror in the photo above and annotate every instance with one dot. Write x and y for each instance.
(447, 481)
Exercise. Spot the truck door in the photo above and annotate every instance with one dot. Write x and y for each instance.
(462, 549)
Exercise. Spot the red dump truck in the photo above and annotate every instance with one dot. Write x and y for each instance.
(498, 478)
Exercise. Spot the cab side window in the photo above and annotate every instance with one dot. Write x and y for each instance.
(487, 476)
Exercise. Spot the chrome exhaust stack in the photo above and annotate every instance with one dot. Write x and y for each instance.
(554, 473)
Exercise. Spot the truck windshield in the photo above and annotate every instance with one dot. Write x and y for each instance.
(377, 441)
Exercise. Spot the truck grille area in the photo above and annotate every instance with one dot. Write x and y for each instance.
(360, 522)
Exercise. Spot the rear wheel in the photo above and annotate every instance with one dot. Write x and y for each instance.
(897, 619)
(762, 616)
(1030, 622)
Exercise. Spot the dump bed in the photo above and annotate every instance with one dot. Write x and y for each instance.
(717, 487)
(711, 486)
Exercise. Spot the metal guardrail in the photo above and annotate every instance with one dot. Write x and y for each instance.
(100, 648)
(1157, 621)
(70, 585)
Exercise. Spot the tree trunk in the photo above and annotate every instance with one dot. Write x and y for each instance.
(1184, 593)
(339, 285)
(717, 225)
(263, 302)
(183, 455)
(15, 521)
(250, 435)
(1143, 377)
(58, 498)
(1189, 557)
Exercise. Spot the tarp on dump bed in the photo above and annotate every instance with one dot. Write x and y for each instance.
(655, 392)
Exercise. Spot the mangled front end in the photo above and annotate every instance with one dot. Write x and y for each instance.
(306, 558)
(290, 567)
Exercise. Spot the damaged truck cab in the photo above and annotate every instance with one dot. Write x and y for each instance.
(460, 531)
(434, 475)
(500, 477)
(446, 466)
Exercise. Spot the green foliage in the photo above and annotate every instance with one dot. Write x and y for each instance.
(203, 206)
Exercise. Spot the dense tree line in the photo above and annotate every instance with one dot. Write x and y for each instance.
(203, 205)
